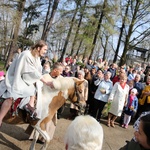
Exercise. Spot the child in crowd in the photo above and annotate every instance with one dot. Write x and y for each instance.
(130, 108)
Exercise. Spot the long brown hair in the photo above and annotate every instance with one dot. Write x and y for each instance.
(38, 44)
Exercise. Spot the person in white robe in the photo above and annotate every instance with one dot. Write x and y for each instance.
(21, 77)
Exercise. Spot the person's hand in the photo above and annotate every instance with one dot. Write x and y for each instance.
(131, 108)
(147, 93)
(50, 84)
(102, 90)
(109, 100)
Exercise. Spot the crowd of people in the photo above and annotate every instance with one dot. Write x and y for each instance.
(126, 88)
(111, 84)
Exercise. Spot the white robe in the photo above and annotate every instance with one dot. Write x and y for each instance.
(118, 96)
(2, 87)
(23, 73)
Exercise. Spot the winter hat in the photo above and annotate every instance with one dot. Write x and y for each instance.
(134, 90)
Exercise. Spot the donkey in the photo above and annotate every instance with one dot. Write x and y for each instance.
(52, 99)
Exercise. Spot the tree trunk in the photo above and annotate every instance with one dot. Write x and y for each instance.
(121, 33)
(69, 33)
(77, 53)
(105, 48)
(98, 28)
(128, 36)
(48, 21)
(20, 7)
(78, 28)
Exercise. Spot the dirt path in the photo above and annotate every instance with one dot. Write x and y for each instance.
(12, 137)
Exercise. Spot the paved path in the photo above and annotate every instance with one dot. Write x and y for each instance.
(13, 137)
(114, 138)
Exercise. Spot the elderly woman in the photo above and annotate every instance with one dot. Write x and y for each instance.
(74, 109)
(84, 133)
(118, 98)
(101, 95)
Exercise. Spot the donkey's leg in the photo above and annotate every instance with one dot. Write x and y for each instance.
(44, 147)
(42, 132)
(47, 119)
(55, 104)
(35, 138)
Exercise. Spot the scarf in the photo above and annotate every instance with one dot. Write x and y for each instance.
(131, 98)
(123, 85)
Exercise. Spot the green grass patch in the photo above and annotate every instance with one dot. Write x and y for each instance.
(2, 65)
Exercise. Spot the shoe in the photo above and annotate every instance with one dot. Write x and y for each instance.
(123, 125)
(126, 126)
(30, 110)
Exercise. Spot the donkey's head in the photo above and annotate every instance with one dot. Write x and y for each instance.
(76, 93)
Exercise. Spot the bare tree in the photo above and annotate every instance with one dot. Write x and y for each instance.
(70, 29)
(121, 31)
(78, 27)
(18, 17)
(49, 18)
(139, 17)
(98, 28)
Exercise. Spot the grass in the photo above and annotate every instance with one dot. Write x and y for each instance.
(2, 65)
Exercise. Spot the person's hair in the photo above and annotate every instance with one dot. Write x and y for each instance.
(146, 126)
(57, 65)
(47, 62)
(123, 76)
(108, 73)
(148, 77)
(84, 133)
(38, 44)
(17, 51)
(138, 75)
(81, 72)
(100, 70)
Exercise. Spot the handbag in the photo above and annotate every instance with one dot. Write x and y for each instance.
(106, 109)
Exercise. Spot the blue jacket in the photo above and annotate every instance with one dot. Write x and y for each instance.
(134, 104)
(107, 85)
